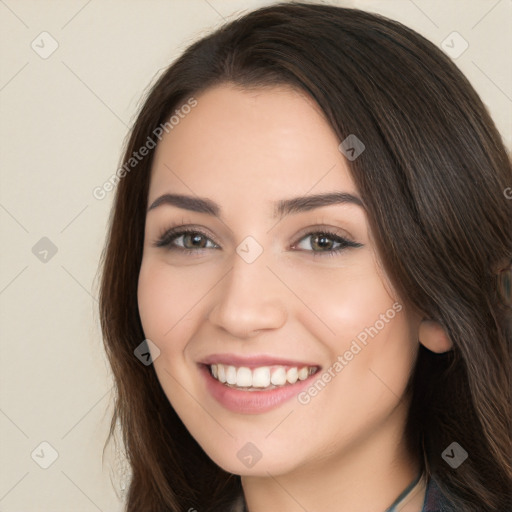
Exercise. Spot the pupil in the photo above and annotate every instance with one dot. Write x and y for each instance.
(323, 241)
(195, 240)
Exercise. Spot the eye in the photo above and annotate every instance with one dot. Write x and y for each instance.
(185, 240)
(189, 240)
(324, 243)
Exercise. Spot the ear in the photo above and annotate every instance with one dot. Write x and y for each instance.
(432, 336)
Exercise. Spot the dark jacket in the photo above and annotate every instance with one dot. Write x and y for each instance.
(434, 499)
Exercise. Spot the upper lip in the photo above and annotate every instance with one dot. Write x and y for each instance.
(254, 361)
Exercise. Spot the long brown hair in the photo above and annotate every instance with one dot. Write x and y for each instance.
(432, 177)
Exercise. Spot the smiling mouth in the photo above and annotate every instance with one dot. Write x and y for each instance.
(263, 378)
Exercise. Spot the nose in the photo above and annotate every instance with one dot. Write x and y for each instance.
(249, 300)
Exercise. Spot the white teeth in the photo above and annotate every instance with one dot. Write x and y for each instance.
(278, 378)
(244, 378)
(231, 375)
(292, 375)
(260, 378)
(303, 373)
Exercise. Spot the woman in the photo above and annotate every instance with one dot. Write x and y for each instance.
(308, 241)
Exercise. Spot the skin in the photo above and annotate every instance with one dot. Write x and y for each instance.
(344, 450)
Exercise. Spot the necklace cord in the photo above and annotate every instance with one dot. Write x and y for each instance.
(392, 507)
(404, 494)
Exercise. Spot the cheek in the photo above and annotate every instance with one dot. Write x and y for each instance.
(369, 328)
(376, 327)
(166, 298)
(156, 300)
(344, 301)
(170, 309)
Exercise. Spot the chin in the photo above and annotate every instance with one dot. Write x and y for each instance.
(251, 461)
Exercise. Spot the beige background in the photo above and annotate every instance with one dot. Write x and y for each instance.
(64, 119)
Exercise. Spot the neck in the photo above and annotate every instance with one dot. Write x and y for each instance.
(368, 476)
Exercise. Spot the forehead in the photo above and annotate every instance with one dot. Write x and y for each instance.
(268, 142)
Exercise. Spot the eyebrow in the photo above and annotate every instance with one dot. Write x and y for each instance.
(281, 208)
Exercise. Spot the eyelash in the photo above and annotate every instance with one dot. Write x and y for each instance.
(169, 236)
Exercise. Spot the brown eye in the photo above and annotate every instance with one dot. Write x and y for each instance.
(322, 242)
(325, 242)
(185, 240)
(194, 241)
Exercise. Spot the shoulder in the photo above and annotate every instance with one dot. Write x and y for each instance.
(435, 500)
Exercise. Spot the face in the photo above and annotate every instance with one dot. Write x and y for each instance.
(284, 299)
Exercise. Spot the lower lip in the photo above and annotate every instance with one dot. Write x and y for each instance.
(252, 402)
